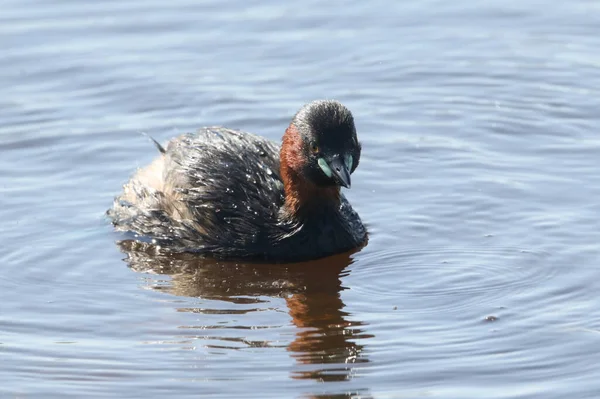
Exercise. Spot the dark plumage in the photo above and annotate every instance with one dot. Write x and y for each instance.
(232, 194)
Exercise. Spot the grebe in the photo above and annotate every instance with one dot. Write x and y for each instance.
(234, 195)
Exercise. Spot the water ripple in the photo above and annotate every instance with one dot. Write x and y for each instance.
(429, 280)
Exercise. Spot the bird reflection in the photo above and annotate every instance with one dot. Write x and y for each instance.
(325, 346)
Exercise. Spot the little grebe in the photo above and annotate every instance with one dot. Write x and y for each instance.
(231, 194)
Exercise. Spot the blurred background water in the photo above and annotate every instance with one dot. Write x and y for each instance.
(479, 182)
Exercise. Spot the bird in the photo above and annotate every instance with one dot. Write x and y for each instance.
(231, 194)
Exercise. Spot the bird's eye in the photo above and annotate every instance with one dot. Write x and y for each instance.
(315, 148)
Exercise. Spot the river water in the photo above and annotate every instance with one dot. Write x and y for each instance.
(479, 183)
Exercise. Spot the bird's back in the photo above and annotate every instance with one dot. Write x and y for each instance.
(216, 190)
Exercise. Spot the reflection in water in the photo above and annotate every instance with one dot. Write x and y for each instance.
(324, 336)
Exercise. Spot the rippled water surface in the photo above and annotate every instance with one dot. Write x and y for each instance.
(479, 182)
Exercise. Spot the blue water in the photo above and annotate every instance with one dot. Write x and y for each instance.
(479, 181)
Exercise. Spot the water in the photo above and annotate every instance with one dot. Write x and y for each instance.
(479, 182)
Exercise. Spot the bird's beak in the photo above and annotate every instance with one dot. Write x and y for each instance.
(340, 172)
